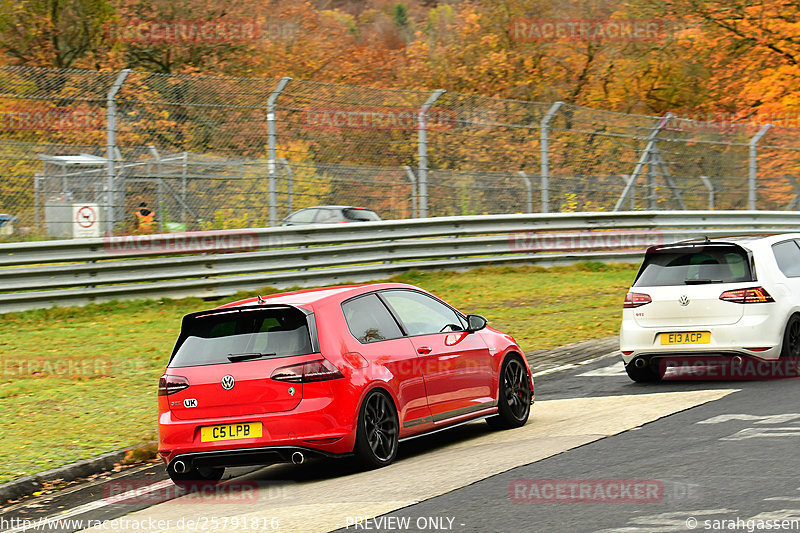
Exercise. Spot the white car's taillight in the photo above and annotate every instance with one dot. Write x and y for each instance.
(636, 299)
(753, 295)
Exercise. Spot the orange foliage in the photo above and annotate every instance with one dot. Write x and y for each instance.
(707, 57)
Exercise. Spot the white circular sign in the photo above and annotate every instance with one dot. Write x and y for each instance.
(86, 217)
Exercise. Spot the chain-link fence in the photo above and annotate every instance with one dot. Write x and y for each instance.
(80, 151)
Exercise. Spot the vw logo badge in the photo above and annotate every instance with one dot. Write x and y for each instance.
(683, 300)
(228, 382)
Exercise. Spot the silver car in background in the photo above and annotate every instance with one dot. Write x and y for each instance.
(330, 214)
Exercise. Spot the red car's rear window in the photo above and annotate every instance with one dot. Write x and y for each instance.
(226, 337)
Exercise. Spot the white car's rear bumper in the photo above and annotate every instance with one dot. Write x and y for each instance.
(751, 331)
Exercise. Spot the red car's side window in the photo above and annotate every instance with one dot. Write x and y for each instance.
(369, 320)
(421, 314)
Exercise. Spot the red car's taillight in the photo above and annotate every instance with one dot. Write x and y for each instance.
(319, 370)
(636, 299)
(171, 384)
(753, 295)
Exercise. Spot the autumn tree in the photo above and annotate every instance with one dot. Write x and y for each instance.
(189, 36)
(751, 49)
(55, 33)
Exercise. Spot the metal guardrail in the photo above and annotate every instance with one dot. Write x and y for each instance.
(213, 264)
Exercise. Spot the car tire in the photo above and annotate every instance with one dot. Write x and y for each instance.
(378, 431)
(514, 395)
(646, 374)
(196, 476)
(791, 339)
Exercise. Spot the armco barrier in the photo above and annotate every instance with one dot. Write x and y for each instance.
(218, 263)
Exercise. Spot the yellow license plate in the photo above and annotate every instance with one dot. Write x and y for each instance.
(247, 430)
(686, 337)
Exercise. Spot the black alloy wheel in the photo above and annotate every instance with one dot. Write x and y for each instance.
(514, 398)
(791, 339)
(378, 431)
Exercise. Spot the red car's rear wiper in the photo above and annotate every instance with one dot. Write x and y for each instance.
(234, 357)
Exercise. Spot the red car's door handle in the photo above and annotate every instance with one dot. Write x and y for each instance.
(424, 350)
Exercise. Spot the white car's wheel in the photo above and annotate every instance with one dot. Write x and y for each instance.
(791, 338)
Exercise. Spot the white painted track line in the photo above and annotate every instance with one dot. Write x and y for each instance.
(575, 365)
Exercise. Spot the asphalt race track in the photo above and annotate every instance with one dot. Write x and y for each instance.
(600, 453)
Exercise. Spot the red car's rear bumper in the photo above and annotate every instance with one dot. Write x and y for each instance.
(319, 424)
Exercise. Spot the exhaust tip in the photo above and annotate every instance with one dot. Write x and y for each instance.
(298, 458)
(640, 363)
(179, 467)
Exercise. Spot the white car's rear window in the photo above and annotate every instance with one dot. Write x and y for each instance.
(694, 265)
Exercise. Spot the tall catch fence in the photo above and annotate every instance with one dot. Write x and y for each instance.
(81, 150)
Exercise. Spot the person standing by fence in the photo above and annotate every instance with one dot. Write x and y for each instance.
(145, 218)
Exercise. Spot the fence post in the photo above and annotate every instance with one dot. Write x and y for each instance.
(627, 180)
(422, 150)
(544, 141)
(796, 196)
(652, 197)
(710, 187)
(657, 161)
(159, 193)
(289, 186)
(36, 200)
(413, 179)
(184, 173)
(528, 188)
(652, 139)
(271, 157)
(111, 147)
(751, 196)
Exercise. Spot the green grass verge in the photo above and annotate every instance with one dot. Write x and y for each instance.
(76, 382)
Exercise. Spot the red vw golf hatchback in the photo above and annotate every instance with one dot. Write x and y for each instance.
(331, 372)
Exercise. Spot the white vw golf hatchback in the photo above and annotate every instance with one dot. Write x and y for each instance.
(737, 297)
